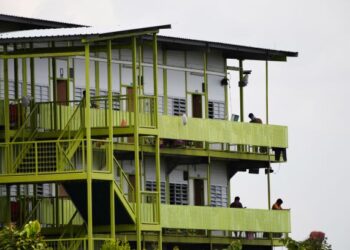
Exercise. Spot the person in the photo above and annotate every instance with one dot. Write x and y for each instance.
(254, 119)
(236, 203)
(278, 204)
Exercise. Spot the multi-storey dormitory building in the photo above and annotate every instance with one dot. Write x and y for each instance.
(125, 133)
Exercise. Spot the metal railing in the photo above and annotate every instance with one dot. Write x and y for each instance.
(123, 183)
(149, 207)
(38, 157)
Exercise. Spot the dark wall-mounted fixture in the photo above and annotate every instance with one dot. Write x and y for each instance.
(244, 81)
(225, 81)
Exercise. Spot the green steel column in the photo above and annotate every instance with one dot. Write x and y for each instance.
(24, 77)
(226, 94)
(32, 75)
(185, 55)
(6, 111)
(155, 77)
(110, 134)
(205, 63)
(88, 147)
(54, 88)
(208, 181)
(15, 67)
(267, 91)
(157, 155)
(136, 145)
(97, 72)
(241, 91)
(165, 84)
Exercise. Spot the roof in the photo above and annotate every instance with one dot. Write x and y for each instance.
(64, 34)
(42, 35)
(229, 50)
(14, 23)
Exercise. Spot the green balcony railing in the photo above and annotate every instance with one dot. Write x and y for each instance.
(220, 131)
(230, 219)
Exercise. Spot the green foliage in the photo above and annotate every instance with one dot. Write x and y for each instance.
(115, 245)
(308, 244)
(235, 245)
(28, 238)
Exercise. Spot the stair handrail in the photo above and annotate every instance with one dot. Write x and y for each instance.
(28, 118)
(32, 212)
(24, 150)
(66, 128)
(122, 173)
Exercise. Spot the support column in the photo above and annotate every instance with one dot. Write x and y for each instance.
(16, 81)
(206, 102)
(54, 88)
(88, 148)
(155, 78)
(157, 154)
(32, 87)
(165, 84)
(267, 91)
(110, 135)
(241, 96)
(6, 113)
(136, 145)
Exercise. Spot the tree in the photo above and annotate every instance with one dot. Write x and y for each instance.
(316, 241)
(28, 238)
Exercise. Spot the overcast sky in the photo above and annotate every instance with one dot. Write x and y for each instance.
(309, 94)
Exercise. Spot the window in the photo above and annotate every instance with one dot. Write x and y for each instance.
(176, 106)
(218, 196)
(216, 110)
(152, 186)
(178, 194)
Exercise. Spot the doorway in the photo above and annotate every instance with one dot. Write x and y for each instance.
(197, 106)
(198, 192)
(62, 92)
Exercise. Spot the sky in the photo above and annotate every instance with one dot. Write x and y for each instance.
(309, 94)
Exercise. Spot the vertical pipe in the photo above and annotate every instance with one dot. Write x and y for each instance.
(24, 77)
(32, 75)
(88, 147)
(110, 134)
(155, 78)
(158, 189)
(241, 96)
(185, 54)
(208, 181)
(267, 90)
(136, 145)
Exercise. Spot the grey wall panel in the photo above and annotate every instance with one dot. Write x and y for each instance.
(215, 90)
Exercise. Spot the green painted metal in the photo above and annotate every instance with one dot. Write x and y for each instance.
(6, 110)
(136, 144)
(89, 148)
(206, 102)
(43, 55)
(215, 218)
(210, 130)
(241, 94)
(226, 89)
(267, 90)
(165, 83)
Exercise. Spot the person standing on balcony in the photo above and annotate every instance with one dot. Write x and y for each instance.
(254, 119)
(278, 205)
(236, 203)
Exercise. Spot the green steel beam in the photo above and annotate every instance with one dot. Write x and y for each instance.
(41, 55)
(155, 77)
(241, 93)
(43, 177)
(16, 81)
(136, 144)
(89, 148)
(186, 82)
(97, 73)
(226, 89)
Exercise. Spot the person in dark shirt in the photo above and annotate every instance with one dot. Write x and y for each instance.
(278, 205)
(254, 119)
(236, 203)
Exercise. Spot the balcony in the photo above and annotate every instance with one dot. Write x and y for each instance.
(225, 219)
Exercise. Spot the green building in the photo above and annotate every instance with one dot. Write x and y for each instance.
(127, 134)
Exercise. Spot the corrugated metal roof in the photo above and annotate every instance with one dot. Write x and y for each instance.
(37, 21)
(37, 34)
